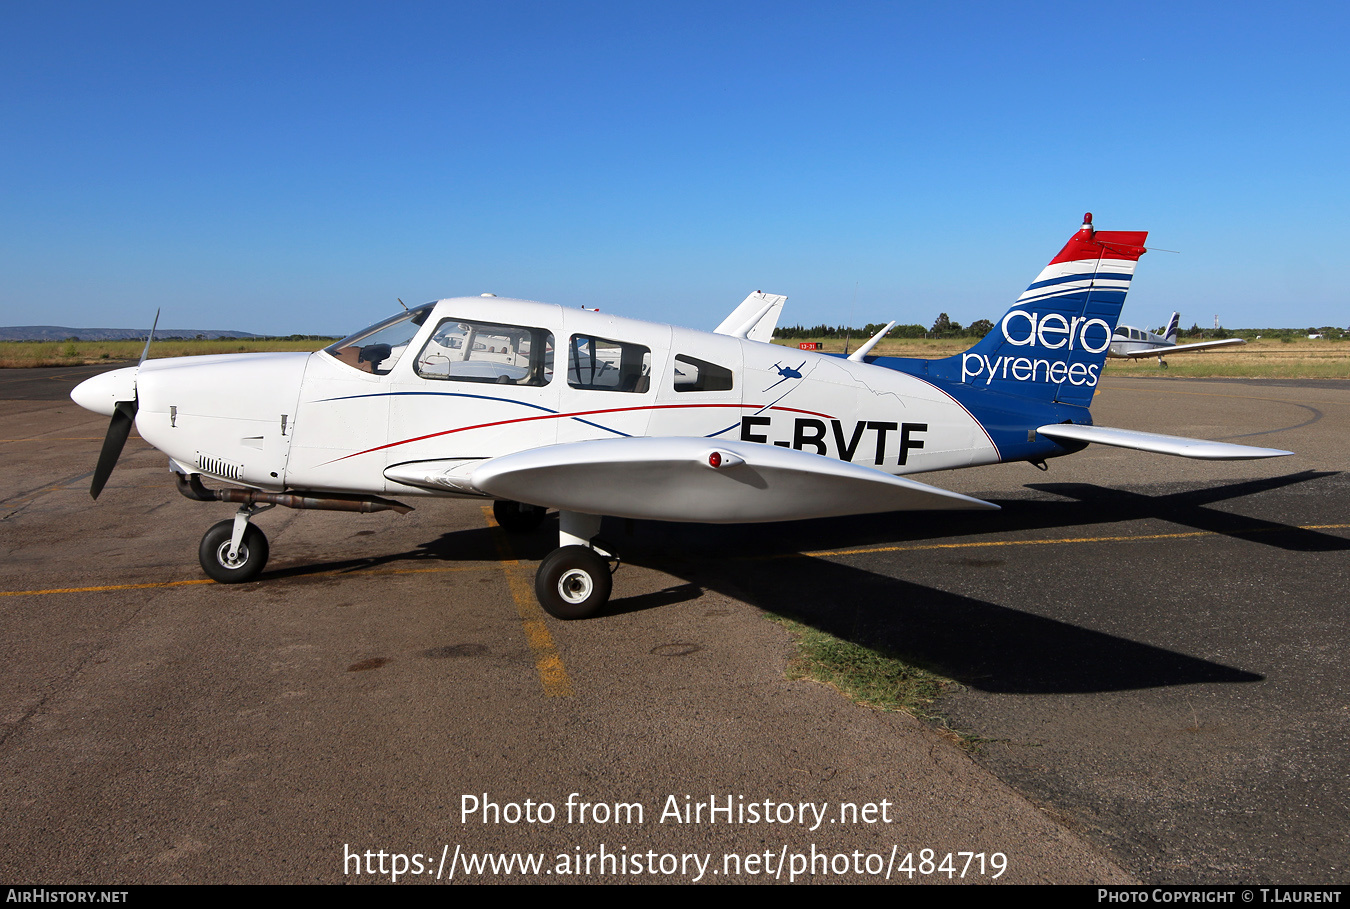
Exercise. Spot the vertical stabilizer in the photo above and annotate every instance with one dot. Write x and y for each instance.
(755, 319)
(1173, 328)
(1051, 345)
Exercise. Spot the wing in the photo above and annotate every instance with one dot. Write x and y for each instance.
(696, 479)
(755, 318)
(1179, 348)
(1155, 442)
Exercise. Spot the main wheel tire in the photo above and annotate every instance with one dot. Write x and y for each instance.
(248, 563)
(517, 517)
(573, 583)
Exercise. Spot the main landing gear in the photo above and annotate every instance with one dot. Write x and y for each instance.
(518, 517)
(573, 581)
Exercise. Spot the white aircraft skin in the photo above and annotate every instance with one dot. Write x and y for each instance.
(1130, 343)
(594, 414)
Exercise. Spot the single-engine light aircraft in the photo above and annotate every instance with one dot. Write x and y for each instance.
(1130, 343)
(539, 407)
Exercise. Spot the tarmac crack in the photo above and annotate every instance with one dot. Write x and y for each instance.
(62, 682)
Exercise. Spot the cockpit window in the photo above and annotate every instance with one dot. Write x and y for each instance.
(465, 351)
(376, 349)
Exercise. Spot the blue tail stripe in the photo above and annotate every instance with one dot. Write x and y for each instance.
(1085, 276)
(1082, 292)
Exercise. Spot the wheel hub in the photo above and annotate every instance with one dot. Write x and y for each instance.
(223, 555)
(575, 586)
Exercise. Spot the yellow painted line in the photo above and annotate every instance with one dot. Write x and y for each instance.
(154, 584)
(920, 547)
(547, 660)
(37, 593)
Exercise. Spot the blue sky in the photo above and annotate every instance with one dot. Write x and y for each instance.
(294, 167)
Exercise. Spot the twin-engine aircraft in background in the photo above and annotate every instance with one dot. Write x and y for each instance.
(1129, 343)
(539, 407)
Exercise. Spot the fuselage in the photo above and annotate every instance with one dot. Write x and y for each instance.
(1127, 341)
(473, 378)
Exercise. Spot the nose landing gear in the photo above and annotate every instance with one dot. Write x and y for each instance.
(234, 551)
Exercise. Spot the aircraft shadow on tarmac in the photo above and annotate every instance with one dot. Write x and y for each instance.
(981, 644)
(1083, 506)
(984, 645)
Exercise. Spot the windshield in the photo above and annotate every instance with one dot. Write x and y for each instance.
(376, 349)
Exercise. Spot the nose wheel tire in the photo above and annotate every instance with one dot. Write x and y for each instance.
(517, 517)
(573, 583)
(248, 562)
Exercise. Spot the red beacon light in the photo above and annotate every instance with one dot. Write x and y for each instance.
(717, 459)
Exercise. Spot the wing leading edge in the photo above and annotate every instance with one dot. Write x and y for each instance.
(699, 480)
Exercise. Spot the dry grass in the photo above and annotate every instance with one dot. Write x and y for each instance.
(902, 347)
(18, 354)
(1297, 359)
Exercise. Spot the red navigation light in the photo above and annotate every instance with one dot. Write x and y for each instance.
(715, 459)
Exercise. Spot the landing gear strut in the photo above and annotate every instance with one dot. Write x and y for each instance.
(573, 581)
(235, 551)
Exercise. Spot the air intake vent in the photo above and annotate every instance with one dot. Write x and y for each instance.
(219, 467)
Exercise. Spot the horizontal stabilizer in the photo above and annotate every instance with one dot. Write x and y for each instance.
(703, 480)
(857, 355)
(1160, 444)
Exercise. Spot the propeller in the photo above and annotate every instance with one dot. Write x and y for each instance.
(123, 418)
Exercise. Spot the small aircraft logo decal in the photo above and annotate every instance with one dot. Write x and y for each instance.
(787, 372)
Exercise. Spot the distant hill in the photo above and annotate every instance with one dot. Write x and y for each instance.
(58, 333)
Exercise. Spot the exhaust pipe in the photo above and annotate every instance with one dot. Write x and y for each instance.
(191, 486)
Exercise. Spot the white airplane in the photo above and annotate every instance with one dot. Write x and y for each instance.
(1132, 343)
(539, 407)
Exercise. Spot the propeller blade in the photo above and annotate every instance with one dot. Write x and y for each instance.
(145, 353)
(124, 415)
